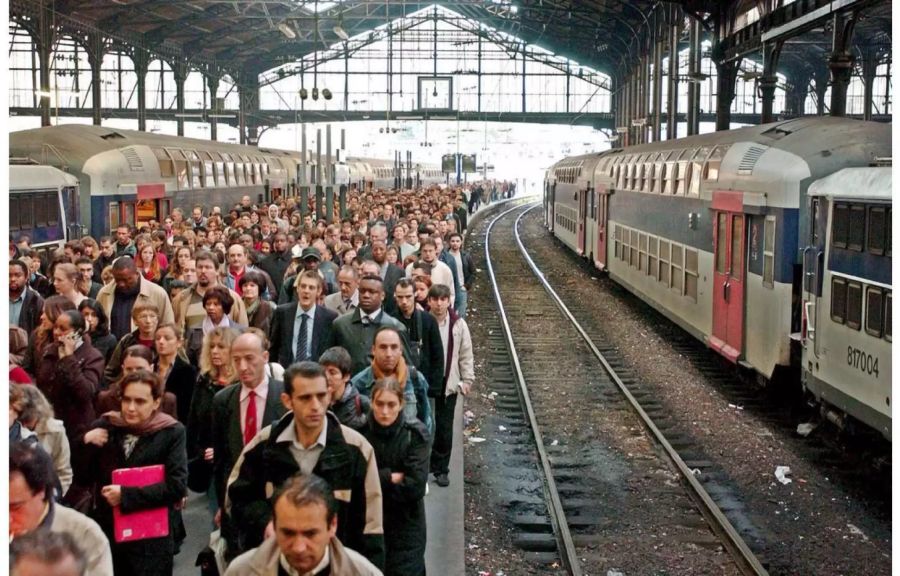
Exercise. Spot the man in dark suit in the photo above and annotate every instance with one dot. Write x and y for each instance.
(276, 263)
(241, 410)
(355, 332)
(301, 330)
(390, 274)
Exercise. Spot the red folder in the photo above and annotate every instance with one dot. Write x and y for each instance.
(143, 524)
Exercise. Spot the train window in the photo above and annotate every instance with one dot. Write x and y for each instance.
(240, 176)
(14, 212)
(838, 300)
(711, 172)
(691, 273)
(769, 253)
(166, 168)
(617, 242)
(737, 238)
(664, 261)
(181, 169)
(52, 201)
(40, 210)
(113, 215)
(876, 229)
(721, 234)
(129, 213)
(642, 248)
(854, 305)
(888, 305)
(840, 226)
(889, 240)
(652, 251)
(669, 175)
(677, 267)
(633, 249)
(874, 311)
(229, 170)
(658, 176)
(856, 239)
(682, 177)
(26, 214)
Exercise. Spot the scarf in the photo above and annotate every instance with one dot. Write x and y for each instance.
(400, 371)
(251, 308)
(159, 421)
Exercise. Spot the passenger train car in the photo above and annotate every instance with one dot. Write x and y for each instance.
(365, 173)
(128, 176)
(43, 205)
(848, 296)
(706, 229)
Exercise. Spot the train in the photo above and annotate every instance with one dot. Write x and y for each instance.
(710, 230)
(128, 176)
(43, 203)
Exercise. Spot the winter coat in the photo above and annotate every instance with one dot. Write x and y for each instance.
(349, 332)
(415, 393)
(405, 447)
(52, 435)
(265, 561)
(352, 409)
(347, 463)
(94, 466)
(87, 534)
(460, 360)
(149, 293)
(70, 385)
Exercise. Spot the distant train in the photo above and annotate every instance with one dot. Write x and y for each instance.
(707, 230)
(43, 205)
(127, 176)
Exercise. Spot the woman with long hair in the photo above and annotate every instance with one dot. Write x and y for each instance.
(138, 434)
(69, 372)
(177, 375)
(91, 248)
(216, 372)
(98, 327)
(53, 307)
(36, 414)
(147, 263)
(402, 447)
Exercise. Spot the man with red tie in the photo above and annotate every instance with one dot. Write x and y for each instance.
(242, 409)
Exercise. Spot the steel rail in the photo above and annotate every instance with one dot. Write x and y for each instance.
(747, 562)
(565, 543)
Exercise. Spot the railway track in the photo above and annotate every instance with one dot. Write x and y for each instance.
(597, 480)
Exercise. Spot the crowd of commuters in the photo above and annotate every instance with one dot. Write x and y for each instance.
(303, 375)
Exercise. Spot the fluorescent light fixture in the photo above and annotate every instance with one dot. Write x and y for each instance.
(179, 115)
(341, 33)
(287, 30)
(221, 115)
(409, 117)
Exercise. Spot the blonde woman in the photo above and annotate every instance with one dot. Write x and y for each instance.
(36, 414)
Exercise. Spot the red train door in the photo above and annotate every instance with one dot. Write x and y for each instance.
(602, 208)
(728, 285)
(582, 217)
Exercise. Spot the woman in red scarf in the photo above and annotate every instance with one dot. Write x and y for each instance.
(137, 435)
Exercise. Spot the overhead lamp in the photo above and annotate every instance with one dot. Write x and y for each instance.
(315, 93)
(285, 29)
(326, 93)
(341, 33)
(304, 94)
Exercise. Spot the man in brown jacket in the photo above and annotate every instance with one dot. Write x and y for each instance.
(188, 305)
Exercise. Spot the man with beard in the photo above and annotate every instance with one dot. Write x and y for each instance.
(25, 304)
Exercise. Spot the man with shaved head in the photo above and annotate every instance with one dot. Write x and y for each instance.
(241, 410)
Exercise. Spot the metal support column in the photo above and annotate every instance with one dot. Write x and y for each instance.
(657, 82)
(180, 72)
(44, 44)
(769, 80)
(212, 82)
(303, 173)
(141, 64)
(726, 76)
(329, 178)
(318, 184)
(869, 69)
(693, 112)
(840, 63)
(672, 104)
(342, 192)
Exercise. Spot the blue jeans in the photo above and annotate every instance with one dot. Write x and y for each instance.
(462, 299)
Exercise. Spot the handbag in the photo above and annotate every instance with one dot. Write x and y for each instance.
(200, 473)
(211, 559)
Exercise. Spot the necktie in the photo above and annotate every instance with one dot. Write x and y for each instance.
(250, 418)
(365, 320)
(348, 303)
(302, 338)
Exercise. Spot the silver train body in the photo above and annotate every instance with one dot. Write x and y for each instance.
(127, 176)
(848, 296)
(707, 229)
(43, 205)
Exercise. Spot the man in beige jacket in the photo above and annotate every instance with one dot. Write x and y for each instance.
(129, 288)
(304, 519)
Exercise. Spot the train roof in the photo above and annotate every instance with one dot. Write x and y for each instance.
(855, 184)
(37, 177)
(74, 144)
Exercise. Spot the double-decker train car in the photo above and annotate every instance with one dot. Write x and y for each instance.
(848, 296)
(127, 176)
(368, 173)
(706, 229)
(43, 205)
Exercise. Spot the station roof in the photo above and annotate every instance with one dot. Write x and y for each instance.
(258, 35)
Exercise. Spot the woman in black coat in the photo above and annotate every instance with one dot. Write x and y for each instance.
(98, 327)
(136, 436)
(402, 449)
(177, 375)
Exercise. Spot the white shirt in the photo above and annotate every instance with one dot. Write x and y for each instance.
(306, 458)
(371, 317)
(444, 328)
(457, 257)
(262, 390)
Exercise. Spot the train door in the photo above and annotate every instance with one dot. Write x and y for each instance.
(551, 205)
(582, 216)
(602, 217)
(729, 238)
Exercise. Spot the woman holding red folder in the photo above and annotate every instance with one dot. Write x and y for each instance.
(140, 435)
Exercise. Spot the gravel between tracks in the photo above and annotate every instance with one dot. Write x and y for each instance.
(813, 525)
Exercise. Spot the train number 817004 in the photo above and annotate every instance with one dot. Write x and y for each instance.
(866, 363)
